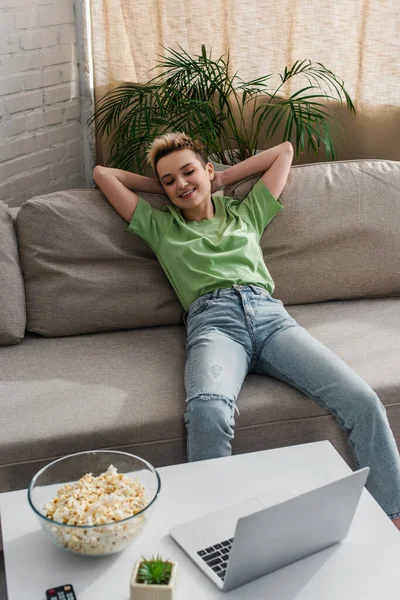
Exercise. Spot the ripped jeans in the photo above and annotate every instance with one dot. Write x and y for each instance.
(239, 330)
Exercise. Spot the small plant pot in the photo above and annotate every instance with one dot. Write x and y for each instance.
(145, 591)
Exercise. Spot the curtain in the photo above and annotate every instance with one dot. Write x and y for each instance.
(359, 40)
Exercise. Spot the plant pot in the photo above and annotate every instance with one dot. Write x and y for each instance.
(144, 591)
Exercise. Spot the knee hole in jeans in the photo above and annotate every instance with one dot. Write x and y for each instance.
(210, 410)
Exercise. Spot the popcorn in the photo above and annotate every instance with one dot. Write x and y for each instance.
(97, 502)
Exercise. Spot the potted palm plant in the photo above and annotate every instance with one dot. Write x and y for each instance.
(153, 579)
(201, 97)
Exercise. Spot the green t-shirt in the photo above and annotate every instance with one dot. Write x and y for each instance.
(202, 256)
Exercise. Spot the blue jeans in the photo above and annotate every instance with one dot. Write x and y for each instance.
(239, 330)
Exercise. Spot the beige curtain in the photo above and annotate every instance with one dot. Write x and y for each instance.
(359, 40)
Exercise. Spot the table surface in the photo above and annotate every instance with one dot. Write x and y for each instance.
(365, 565)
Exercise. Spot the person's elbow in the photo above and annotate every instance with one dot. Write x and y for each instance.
(98, 172)
(288, 153)
(288, 147)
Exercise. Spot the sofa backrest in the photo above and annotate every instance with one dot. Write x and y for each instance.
(84, 273)
(338, 237)
(12, 296)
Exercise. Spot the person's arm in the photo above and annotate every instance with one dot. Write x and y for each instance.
(117, 184)
(274, 163)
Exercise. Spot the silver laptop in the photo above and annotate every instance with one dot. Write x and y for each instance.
(247, 540)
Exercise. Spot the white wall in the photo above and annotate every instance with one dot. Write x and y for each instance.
(40, 130)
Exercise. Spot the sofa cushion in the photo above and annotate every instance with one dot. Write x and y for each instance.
(84, 273)
(125, 390)
(12, 294)
(338, 238)
(339, 235)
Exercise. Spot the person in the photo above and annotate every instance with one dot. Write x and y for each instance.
(208, 246)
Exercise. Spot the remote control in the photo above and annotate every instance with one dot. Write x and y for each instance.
(64, 592)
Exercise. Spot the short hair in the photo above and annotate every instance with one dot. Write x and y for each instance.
(171, 142)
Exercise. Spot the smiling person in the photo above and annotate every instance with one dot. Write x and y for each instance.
(209, 248)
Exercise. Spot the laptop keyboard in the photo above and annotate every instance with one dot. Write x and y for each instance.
(217, 556)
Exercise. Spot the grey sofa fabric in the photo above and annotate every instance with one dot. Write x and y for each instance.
(125, 390)
(12, 296)
(116, 379)
(338, 236)
(84, 273)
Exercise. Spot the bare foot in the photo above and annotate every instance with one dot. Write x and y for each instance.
(397, 523)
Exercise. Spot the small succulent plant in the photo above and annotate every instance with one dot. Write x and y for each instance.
(154, 571)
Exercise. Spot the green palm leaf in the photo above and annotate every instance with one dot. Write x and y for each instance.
(204, 98)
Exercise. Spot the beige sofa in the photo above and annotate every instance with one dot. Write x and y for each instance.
(93, 342)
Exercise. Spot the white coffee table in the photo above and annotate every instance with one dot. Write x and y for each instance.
(365, 565)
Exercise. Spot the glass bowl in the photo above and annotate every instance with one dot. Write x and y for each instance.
(93, 540)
